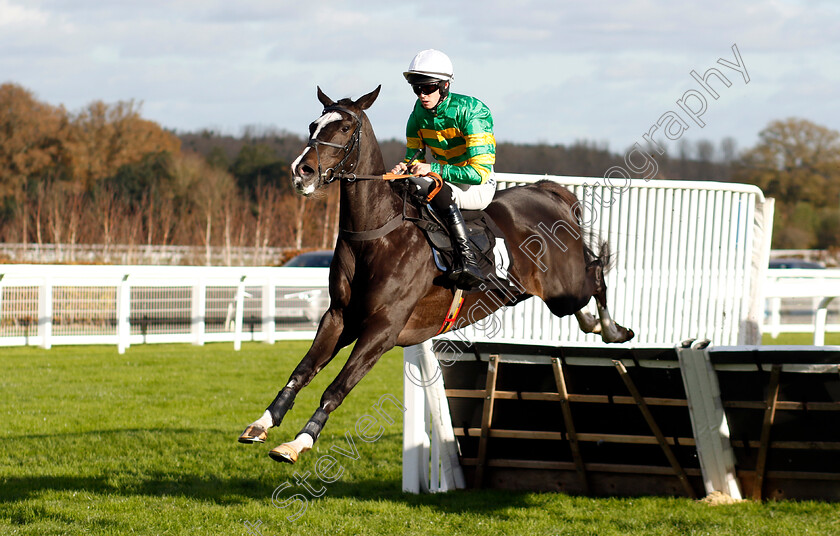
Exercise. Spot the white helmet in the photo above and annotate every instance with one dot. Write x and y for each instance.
(429, 66)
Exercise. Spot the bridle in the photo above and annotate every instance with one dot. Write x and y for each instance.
(337, 171)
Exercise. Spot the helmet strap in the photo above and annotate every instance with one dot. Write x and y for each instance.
(443, 88)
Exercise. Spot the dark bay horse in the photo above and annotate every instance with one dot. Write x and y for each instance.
(382, 281)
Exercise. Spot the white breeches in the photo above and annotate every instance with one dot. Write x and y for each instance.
(467, 196)
(474, 196)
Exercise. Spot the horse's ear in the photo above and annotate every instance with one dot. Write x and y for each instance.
(326, 101)
(366, 101)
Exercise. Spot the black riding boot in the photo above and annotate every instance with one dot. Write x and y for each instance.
(465, 270)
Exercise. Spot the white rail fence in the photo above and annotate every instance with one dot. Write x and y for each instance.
(142, 254)
(690, 258)
(45, 305)
(821, 286)
(42, 305)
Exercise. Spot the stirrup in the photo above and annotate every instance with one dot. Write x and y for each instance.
(466, 275)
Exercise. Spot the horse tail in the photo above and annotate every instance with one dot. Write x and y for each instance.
(603, 258)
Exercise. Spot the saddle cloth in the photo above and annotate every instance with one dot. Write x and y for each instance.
(486, 240)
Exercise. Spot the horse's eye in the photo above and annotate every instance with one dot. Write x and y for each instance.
(345, 129)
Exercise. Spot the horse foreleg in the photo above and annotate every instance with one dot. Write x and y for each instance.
(369, 348)
(328, 341)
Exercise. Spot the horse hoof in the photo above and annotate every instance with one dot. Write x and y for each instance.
(253, 434)
(284, 453)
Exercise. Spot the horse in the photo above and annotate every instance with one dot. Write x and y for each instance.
(385, 289)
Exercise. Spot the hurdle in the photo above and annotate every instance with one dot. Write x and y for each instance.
(690, 258)
(746, 421)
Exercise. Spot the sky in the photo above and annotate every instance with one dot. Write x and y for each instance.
(551, 71)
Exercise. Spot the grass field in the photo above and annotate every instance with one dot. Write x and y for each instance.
(799, 339)
(94, 442)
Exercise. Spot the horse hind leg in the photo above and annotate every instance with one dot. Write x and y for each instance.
(587, 322)
(610, 330)
(595, 287)
(605, 326)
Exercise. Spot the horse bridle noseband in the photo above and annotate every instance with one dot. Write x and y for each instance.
(337, 171)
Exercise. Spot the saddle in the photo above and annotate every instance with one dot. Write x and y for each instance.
(486, 240)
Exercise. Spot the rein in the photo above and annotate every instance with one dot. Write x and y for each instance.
(373, 234)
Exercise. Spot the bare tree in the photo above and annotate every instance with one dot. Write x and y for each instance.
(205, 188)
(299, 222)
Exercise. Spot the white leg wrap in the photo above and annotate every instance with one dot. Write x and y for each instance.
(265, 421)
(302, 443)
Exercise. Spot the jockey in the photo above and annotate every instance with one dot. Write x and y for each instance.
(459, 132)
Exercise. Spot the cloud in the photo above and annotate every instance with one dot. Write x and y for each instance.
(553, 71)
(15, 14)
(657, 25)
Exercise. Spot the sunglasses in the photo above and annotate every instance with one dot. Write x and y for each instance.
(425, 89)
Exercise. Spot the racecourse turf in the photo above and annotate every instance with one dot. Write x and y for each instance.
(94, 442)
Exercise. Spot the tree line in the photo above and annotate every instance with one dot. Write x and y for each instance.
(104, 175)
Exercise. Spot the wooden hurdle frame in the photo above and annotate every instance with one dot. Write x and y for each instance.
(576, 474)
(786, 428)
(724, 464)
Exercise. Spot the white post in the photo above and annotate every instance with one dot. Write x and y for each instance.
(239, 313)
(446, 468)
(413, 423)
(123, 315)
(198, 311)
(430, 451)
(754, 298)
(269, 311)
(708, 420)
(775, 316)
(819, 321)
(45, 313)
